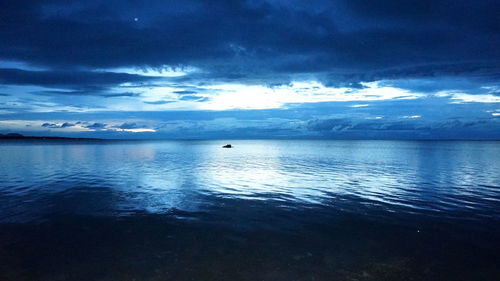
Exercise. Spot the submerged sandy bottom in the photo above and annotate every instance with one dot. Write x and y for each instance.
(145, 247)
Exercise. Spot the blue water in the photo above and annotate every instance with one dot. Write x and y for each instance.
(263, 210)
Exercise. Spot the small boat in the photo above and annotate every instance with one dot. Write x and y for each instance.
(227, 146)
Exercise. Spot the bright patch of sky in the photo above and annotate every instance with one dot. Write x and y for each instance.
(167, 95)
(164, 71)
(240, 96)
(459, 97)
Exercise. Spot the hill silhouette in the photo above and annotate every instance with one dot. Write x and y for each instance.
(16, 136)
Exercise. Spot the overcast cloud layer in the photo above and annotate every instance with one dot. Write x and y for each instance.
(251, 69)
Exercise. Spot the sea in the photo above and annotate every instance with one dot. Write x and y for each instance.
(261, 210)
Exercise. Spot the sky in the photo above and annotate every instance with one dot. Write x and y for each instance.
(192, 69)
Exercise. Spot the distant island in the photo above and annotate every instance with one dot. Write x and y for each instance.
(16, 136)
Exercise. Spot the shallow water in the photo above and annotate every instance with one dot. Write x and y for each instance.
(263, 210)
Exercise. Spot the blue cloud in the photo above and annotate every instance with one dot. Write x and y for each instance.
(158, 102)
(193, 98)
(128, 126)
(96, 126)
(55, 126)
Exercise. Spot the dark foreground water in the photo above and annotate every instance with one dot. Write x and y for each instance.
(263, 210)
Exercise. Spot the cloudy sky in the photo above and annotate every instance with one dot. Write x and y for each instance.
(397, 69)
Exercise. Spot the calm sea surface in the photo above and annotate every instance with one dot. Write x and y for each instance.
(263, 210)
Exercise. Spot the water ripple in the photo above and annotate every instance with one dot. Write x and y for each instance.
(447, 179)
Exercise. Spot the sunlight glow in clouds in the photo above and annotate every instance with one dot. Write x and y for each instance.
(246, 97)
(459, 97)
(138, 130)
(164, 71)
(237, 96)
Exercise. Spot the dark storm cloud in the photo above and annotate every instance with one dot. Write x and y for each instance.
(483, 72)
(84, 82)
(268, 40)
(463, 13)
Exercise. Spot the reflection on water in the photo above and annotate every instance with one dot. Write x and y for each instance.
(263, 210)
